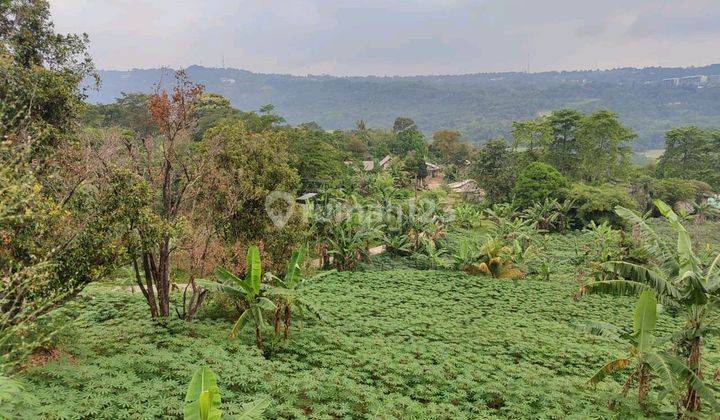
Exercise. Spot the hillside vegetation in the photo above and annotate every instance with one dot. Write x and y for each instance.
(481, 106)
(168, 255)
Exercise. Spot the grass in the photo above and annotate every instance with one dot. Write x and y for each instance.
(400, 343)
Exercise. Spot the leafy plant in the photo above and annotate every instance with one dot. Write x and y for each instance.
(492, 258)
(248, 292)
(203, 401)
(348, 240)
(646, 358)
(679, 279)
(288, 294)
(467, 215)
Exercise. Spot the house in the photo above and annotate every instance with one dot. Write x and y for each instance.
(463, 186)
(468, 189)
(432, 170)
(384, 164)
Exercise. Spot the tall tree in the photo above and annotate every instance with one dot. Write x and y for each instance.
(604, 147)
(533, 135)
(494, 170)
(172, 165)
(563, 150)
(691, 153)
(447, 147)
(57, 232)
(407, 137)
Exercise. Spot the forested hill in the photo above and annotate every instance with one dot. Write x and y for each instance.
(481, 106)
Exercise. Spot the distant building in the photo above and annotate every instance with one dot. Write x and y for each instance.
(671, 81)
(468, 189)
(368, 165)
(693, 81)
(433, 170)
(384, 163)
(305, 198)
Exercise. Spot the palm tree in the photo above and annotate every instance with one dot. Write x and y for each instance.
(679, 279)
(248, 291)
(646, 358)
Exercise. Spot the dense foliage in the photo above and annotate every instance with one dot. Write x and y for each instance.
(538, 182)
(481, 106)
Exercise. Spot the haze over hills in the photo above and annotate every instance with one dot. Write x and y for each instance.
(482, 106)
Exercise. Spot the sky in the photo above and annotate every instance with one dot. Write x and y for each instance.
(395, 37)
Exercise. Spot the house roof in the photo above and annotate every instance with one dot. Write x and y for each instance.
(461, 184)
(384, 160)
(305, 197)
(465, 186)
(368, 165)
(432, 166)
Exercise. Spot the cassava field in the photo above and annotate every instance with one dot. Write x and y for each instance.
(392, 343)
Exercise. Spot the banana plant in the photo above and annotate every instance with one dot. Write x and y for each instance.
(203, 402)
(679, 279)
(248, 291)
(647, 359)
(288, 294)
(348, 240)
(543, 214)
(466, 253)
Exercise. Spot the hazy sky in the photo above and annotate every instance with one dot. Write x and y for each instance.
(343, 37)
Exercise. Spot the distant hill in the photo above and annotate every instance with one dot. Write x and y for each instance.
(481, 106)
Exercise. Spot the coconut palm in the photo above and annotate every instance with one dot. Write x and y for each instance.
(543, 215)
(646, 357)
(679, 279)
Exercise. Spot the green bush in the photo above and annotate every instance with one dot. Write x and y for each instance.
(675, 190)
(597, 203)
(537, 182)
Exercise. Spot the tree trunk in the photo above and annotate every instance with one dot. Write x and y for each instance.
(149, 290)
(691, 402)
(288, 320)
(157, 279)
(643, 384)
(163, 279)
(197, 297)
(278, 314)
(258, 337)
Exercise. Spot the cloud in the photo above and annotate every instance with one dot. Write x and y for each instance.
(383, 37)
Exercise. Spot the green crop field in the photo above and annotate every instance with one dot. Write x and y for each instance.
(392, 344)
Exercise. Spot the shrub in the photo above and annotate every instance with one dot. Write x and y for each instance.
(675, 190)
(537, 182)
(597, 203)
